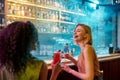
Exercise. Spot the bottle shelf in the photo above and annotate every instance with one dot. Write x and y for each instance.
(31, 4)
(53, 20)
(15, 16)
(54, 33)
(67, 22)
(81, 14)
(45, 7)
(48, 20)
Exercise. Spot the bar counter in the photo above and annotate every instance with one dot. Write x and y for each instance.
(101, 58)
(109, 64)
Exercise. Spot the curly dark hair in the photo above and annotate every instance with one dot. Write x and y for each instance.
(15, 45)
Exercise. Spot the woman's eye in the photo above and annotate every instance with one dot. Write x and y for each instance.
(78, 30)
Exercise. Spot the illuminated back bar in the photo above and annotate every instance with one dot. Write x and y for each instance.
(55, 21)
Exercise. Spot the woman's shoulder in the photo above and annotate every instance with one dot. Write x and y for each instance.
(35, 64)
(88, 47)
(36, 61)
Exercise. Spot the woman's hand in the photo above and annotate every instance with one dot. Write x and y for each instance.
(67, 56)
(55, 71)
(56, 68)
(66, 68)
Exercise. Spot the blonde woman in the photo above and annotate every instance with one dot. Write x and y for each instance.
(87, 63)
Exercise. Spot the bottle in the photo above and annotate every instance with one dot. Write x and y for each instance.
(111, 49)
(72, 51)
(30, 11)
(22, 11)
(66, 48)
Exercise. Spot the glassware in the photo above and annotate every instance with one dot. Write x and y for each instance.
(56, 57)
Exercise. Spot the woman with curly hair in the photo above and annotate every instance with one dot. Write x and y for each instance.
(16, 62)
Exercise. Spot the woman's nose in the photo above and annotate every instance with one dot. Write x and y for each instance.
(74, 32)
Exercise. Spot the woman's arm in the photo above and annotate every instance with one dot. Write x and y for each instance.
(89, 62)
(43, 72)
(55, 71)
(89, 67)
(54, 75)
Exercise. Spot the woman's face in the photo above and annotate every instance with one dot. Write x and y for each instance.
(79, 34)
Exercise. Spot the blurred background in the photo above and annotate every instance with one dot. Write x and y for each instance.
(55, 21)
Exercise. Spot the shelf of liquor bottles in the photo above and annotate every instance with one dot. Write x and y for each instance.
(49, 16)
(54, 27)
(46, 4)
(39, 19)
(46, 10)
(53, 20)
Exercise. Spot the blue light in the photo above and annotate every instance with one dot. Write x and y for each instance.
(94, 4)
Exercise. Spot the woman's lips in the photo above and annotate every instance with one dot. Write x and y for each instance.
(75, 36)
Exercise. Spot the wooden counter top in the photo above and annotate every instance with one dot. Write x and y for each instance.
(109, 57)
(109, 64)
(101, 58)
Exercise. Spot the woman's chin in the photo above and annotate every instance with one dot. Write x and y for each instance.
(76, 42)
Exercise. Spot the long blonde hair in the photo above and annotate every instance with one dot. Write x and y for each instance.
(88, 33)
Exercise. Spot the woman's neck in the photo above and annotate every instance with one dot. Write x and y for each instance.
(81, 45)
